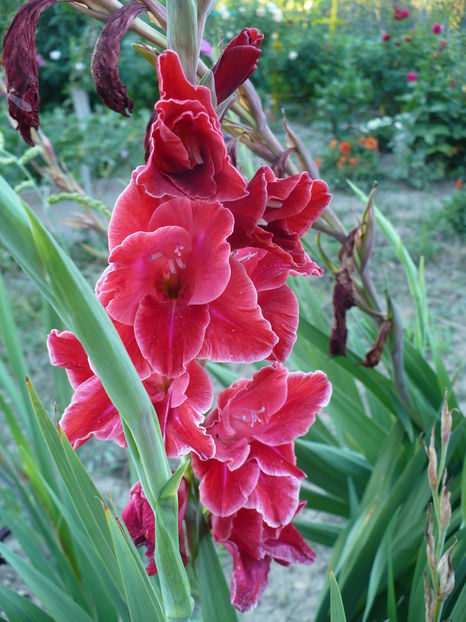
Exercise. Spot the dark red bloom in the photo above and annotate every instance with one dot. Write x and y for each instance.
(253, 545)
(139, 520)
(437, 28)
(20, 61)
(386, 37)
(400, 14)
(254, 426)
(411, 76)
(187, 153)
(104, 66)
(237, 62)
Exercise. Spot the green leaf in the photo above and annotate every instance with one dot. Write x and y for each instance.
(71, 296)
(142, 600)
(337, 611)
(379, 567)
(57, 602)
(21, 609)
(320, 533)
(214, 592)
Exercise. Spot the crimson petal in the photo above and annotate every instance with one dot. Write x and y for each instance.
(237, 330)
(280, 307)
(66, 351)
(170, 334)
(276, 498)
(91, 413)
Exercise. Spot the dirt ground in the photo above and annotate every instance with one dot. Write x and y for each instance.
(293, 592)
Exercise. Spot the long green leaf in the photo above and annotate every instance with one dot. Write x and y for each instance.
(67, 291)
(142, 600)
(56, 601)
(21, 609)
(337, 611)
(214, 592)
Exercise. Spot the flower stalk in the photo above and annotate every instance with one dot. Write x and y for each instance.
(439, 577)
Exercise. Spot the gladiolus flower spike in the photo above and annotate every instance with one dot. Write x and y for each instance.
(197, 270)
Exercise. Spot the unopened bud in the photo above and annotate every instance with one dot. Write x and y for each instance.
(432, 468)
(429, 599)
(445, 506)
(429, 538)
(446, 423)
(446, 575)
(365, 238)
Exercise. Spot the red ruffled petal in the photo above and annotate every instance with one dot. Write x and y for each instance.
(170, 334)
(91, 413)
(276, 498)
(281, 308)
(222, 491)
(237, 330)
(66, 351)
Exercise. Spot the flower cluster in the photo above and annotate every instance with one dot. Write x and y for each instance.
(197, 270)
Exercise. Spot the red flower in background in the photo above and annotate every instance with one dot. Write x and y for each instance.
(254, 426)
(237, 62)
(411, 76)
(253, 545)
(437, 28)
(400, 14)
(386, 37)
(187, 153)
(139, 520)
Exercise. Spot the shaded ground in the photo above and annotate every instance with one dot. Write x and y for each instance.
(292, 593)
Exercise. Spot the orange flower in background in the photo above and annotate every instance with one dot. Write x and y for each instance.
(345, 147)
(352, 162)
(458, 184)
(369, 142)
(341, 161)
(333, 143)
(318, 162)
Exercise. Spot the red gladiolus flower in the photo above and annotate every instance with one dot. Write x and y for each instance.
(139, 520)
(253, 545)
(405, 13)
(437, 28)
(254, 426)
(277, 301)
(237, 62)
(386, 37)
(181, 290)
(276, 213)
(179, 403)
(411, 76)
(187, 153)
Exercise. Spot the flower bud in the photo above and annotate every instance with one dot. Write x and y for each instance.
(446, 575)
(445, 505)
(237, 62)
(429, 538)
(365, 237)
(429, 599)
(432, 468)
(446, 422)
